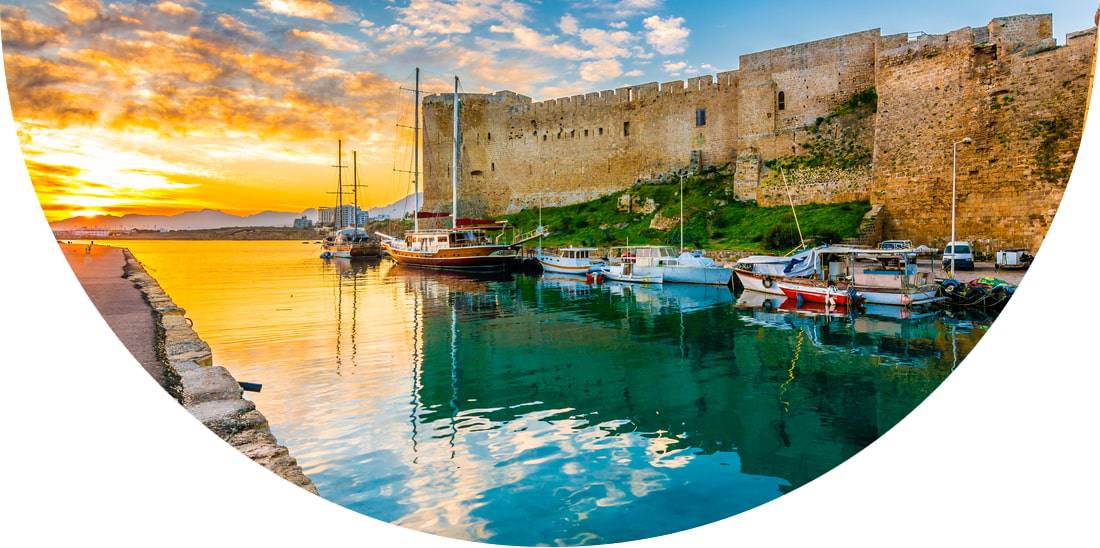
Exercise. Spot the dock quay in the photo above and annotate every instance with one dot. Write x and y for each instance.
(159, 335)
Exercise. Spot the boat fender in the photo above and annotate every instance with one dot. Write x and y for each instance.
(767, 282)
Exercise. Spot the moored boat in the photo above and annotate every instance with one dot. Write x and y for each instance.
(569, 260)
(813, 291)
(890, 280)
(464, 246)
(760, 272)
(467, 248)
(354, 242)
(659, 262)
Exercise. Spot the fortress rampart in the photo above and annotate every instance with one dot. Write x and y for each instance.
(1006, 85)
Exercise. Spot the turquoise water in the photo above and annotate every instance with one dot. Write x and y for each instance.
(527, 410)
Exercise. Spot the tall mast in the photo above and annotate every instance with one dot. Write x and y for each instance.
(355, 187)
(681, 213)
(416, 155)
(454, 164)
(339, 185)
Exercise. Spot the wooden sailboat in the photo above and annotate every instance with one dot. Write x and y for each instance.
(349, 242)
(464, 246)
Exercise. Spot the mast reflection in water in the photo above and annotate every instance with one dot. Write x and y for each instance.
(542, 410)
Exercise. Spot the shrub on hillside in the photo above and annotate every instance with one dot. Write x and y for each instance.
(781, 236)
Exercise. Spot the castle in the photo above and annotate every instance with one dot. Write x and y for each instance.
(854, 117)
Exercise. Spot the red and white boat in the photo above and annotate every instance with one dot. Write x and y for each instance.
(813, 291)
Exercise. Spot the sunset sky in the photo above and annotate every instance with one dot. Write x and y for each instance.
(162, 107)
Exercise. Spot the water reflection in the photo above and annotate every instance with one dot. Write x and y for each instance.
(544, 410)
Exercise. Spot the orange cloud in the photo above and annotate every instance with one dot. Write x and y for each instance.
(156, 118)
(79, 11)
(327, 40)
(21, 33)
(321, 10)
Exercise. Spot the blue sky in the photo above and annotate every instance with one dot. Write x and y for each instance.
(641, 40)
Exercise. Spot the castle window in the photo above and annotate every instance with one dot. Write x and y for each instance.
(488, 136)
(601, 131)
(476, 172)
(543, 136)
(493, 166)
(700, 117)
(586, 133)
(626, 129)
(782, 100)
(572, 133)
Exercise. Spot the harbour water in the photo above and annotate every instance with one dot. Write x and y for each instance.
(528, 410)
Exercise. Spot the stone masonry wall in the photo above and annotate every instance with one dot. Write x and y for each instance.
(1007, 85)
(822, 185)
(515, 152)
(1020, 99)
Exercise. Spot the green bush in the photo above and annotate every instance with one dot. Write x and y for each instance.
(827, 235)
(781, 236)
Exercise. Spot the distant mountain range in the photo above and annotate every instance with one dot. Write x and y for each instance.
(211, 218)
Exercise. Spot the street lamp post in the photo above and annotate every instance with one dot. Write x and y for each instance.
(954, 169)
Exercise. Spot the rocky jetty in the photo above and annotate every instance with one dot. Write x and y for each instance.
(208, 392)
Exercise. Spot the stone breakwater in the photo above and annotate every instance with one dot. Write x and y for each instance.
(208, 392)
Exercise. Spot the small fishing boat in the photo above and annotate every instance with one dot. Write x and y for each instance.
(692, 267)
(813, 291)
(661, 262)
(760, 272)
(355, 242)
(890, 280)
(569, 260)
(637, 264)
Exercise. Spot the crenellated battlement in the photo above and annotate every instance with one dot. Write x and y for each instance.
(517, 152)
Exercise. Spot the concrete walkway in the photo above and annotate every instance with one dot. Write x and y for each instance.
(118, 301)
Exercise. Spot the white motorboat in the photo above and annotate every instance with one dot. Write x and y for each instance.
(569, 260)
(659, 261)
(691, 267)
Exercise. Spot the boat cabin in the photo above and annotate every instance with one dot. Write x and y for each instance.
(889, 269)
(429, 240)
(576, 252)
(643, 255)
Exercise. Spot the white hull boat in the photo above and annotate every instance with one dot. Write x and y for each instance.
(629, 273)
(570, 260)
(692, 268)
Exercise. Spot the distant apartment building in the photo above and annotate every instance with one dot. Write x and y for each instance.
(343, 216)
(303, 222)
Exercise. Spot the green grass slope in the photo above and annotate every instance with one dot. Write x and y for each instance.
(713, 219)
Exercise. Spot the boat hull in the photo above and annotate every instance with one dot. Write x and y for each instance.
(479, 258)
(759, 282)
(350, 251)
(639, 276)
(897, 298)
(815, 293)
(548, 265)
(706, 275)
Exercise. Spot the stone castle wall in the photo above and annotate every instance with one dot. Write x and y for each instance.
(516, 153)
(1019, 98)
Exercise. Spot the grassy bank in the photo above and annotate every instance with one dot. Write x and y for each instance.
(712, 218)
